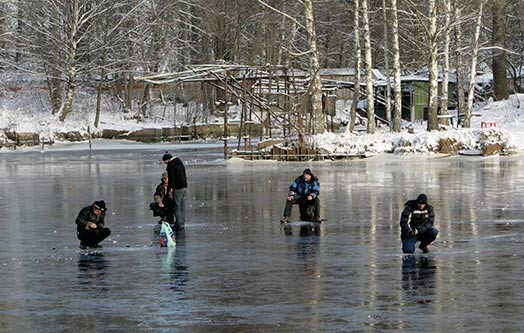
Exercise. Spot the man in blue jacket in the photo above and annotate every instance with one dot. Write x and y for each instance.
(416, 224)
(304, 192)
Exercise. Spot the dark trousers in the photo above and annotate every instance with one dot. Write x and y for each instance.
(408, 242)
(305, 208)
(93, 237)
(166, 211)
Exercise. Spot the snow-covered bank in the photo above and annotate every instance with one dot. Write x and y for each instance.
(496, 128)
(24, 109)
(450, 141)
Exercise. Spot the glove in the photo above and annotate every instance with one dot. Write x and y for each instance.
(413, 232)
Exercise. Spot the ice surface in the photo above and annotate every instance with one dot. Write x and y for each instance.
(235, 270)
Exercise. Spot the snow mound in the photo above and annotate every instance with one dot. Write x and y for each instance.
(423, 142)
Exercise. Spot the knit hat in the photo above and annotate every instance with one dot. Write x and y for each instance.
(307, 172)
(422, 199)
(100, 205)
(164, 175)
(166, 157)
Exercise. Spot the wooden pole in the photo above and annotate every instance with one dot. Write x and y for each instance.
(243, 124)
(89, 136)
(270, 101)
(226, 108)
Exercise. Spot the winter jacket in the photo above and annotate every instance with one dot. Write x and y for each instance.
(414, 218)
(301, 188)
(160, 193)
(177, 174)
(87, 215)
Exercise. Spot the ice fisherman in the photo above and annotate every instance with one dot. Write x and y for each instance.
(304, 192)
(163, 204)
(416, 223)
(177, 183)
(90, 225)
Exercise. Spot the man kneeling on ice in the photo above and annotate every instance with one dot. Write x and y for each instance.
(163, 204)
(416, 223)
(90, 228)
(304, 192)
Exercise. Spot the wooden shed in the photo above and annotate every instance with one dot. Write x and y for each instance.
(415, 96)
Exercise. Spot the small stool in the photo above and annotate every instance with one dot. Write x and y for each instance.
(485, 124)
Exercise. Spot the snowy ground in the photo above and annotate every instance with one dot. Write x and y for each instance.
(23, 109)
(503, 121)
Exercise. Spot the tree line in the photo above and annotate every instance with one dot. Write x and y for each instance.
(108, 43)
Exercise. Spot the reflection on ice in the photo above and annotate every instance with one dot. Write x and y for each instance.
(236, 268)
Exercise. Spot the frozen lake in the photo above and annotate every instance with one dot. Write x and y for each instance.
(235, 270)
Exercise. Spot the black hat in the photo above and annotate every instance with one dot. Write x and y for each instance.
(422, 199)
(307, 172)
(166, 157)
(100, 205)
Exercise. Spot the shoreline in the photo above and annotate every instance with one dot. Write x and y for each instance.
(101, 145)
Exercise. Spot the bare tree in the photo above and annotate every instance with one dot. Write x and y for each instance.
(515, 35)
(163, 29)
(445, 61)
(426, 15)
(369, 66)
(60, 36)
(459, 60)
(473, 71)
(433, 66)
(315, 85)
(106, 44)
(386, 63)
(397, 113)
(4, 26)
(500, 80)
(358, 65)
(314, 70)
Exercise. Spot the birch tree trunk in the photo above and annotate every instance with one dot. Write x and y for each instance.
(461, 105)
(358, 64)
(53, 63)
(397, 112)
(433, 67)
(315, 83)
(369, 74)
(386, 64)
(445, 65)
(473, 70)
(288, 43)
(71, 63)
(19, 28)
(100, 90)
(128, 102)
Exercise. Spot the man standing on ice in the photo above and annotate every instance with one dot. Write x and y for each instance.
(90, 225)
(177, 185)
(416, 223)
(304, 192)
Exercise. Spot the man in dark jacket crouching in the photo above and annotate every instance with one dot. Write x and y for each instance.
(90, 225)
(416, 223)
